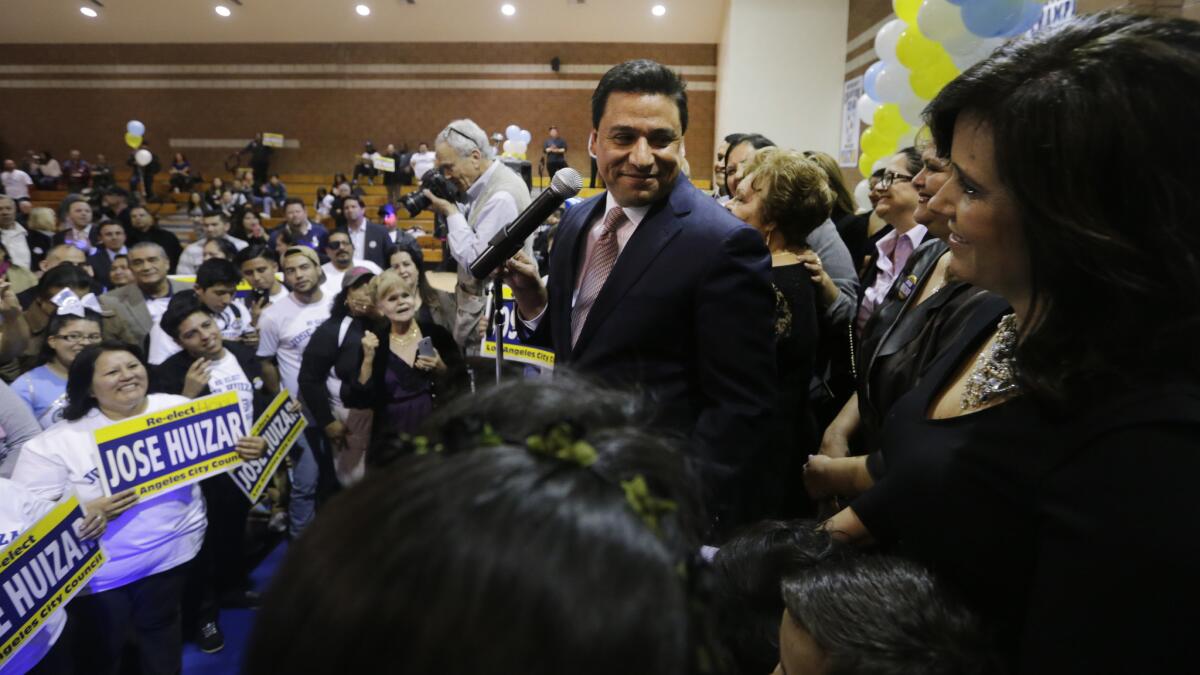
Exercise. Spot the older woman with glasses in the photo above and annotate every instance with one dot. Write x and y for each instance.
(1046, 463)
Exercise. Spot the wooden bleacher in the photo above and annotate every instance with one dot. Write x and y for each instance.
(303, 185)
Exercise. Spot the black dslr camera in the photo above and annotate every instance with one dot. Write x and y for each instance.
(435, 182)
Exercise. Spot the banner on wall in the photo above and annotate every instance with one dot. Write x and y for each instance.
(273, 140)
(1054, 12)
(40, 571)
(848, 149)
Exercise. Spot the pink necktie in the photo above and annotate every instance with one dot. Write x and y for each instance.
(604, 256)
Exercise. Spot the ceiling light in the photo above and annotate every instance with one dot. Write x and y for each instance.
(658, 10)
(508, 10)
(363, 10)
(222, 10)
(88, 12)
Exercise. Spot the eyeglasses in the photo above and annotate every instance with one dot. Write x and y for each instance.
(472, 140)
(890, 177)
(339, 245)
(76, 338)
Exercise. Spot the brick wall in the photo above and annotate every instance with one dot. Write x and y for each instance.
(328, 97)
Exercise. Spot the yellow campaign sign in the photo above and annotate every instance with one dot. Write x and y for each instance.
(272, 140)
(40, 572)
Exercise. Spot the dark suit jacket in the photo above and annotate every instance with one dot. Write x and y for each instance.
(686, 317)
(377, 245)
(128, 303)
(39, 245)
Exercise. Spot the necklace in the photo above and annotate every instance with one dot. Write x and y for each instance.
(995, 373)
(402, 340)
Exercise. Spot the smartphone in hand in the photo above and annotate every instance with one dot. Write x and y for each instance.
(425, 347)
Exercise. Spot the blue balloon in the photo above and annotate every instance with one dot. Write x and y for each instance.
(869, 80)
(136, 128)
(992, 18)
(1030, 14)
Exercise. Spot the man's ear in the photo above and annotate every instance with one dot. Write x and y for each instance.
(592, 144)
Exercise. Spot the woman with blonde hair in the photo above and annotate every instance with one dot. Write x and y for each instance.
(785, 196)
(420, 362)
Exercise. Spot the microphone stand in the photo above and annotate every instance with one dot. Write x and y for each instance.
(498, 321)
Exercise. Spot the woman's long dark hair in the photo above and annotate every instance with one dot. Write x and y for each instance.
(79, 379)
(1095, 136)
(429, 296)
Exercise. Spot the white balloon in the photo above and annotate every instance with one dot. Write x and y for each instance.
(886, 39)
(143, 157)
(866, 109)
(940, 21)
(862, 195)
(911, 108)
(982, 50)
(525, 136)
(908, 138)
(512, 132)
(892, 83)
(518, 147)
(507, 147)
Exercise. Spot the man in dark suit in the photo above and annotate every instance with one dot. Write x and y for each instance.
(112, 244)
(655, 286)
(371, 241)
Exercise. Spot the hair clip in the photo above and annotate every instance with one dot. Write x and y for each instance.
(646, 505)
(562, 442)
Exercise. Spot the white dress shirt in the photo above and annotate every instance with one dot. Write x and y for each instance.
(500, 210)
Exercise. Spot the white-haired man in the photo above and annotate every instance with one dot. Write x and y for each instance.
(494, 196)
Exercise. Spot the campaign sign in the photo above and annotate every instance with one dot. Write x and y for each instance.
(514, 350)
(272, 140)
(170, 448)
(383, 163)
(280, 426)
(40, 572)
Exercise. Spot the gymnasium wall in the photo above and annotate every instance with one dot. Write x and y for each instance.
(326, 99)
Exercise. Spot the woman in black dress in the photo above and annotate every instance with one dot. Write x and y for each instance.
(923, 312)
(784, 196)
(1045, 465)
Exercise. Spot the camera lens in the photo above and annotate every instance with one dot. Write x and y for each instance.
(414, 203)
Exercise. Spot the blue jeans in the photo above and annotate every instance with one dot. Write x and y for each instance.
(305, 475)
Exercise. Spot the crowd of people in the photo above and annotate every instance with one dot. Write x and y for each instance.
(951, 433)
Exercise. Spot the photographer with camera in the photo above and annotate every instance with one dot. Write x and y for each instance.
(494, 197)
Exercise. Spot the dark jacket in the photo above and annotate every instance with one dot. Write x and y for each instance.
(324, 353)
(687, 318)
(169, 376)
(377, 245)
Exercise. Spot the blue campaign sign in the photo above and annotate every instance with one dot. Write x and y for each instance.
(40, 572)
(170, 448)
(514, 350)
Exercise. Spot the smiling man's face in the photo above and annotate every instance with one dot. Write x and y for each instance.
(638, 147)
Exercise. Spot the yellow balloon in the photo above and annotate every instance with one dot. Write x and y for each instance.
(875, 142)
(889, 121)
(928, 81)
(916, 51)
(907, 10)
(133, 141)
(865, 162)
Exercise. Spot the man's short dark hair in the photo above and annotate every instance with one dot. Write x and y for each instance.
(293, 200)
(63, 275)
(255, 251)
(217, 271)
(182, 305)
(105, 223)
(215, 213)
(640, 77)
(734, 138)
(117, 192)
(354, 198)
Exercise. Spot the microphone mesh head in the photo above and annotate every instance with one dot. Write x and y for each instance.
(567, 183)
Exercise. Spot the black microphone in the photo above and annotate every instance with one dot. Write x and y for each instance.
(566, 184)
